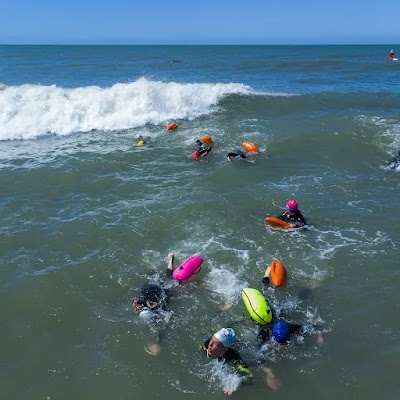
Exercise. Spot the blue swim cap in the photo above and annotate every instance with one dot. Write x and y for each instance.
(280, 332)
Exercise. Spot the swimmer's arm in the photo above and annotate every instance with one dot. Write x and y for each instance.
(242, 369)
(151, 304)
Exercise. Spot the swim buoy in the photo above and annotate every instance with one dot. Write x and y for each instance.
(141, 143)
(172, 126)
(279, 223)
(257, 306)
(189, 267)
(278, 273)
(206, 139)
(251, 147)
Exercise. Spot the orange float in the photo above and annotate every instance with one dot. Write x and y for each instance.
(278, 273)
(279, 223)
(172, 126)
(251, 147)
(206, 139)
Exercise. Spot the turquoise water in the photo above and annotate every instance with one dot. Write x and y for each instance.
(87, 215)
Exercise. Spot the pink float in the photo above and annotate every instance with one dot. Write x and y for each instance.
(189, 267)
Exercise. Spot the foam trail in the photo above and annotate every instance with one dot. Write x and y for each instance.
(29, 111)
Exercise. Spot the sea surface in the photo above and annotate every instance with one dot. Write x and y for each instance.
(87, 217)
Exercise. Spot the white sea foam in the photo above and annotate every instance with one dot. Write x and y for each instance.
(29, 111)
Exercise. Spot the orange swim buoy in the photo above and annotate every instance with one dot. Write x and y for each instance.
(250, 147)
(278, 273)
(278, 223)
(172, 126)
(206, 139)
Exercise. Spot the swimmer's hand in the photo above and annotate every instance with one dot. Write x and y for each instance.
(270, 379)
(226, 307)
(229, 391)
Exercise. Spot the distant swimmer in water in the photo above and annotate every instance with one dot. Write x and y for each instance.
(140, 141)
(395, 162)
(293, 214)
(151, 304)
(239, 155)
(200, 151)
(391, 55)
(177, 61)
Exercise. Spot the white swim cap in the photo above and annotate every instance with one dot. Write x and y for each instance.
(226, 336)
(147, 315)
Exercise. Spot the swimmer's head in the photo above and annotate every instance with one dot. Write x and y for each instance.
(280, 332)
(195, 155)
(147, 315)
(292, 205)
(220, 342)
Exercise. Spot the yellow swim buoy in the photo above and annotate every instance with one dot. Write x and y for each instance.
(257, 306)
(141, 143)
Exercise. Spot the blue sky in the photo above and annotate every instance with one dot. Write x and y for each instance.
(199, 22)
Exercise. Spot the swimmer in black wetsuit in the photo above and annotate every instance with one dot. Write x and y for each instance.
(219, 347)
(200, 151)
(152, 302)
(395, 162)
(280, 331)
(293, 214)
(237, 154)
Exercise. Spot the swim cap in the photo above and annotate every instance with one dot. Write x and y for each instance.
(140, 143)
(147, 315)
(280, 332)
(292, 205)
(226, 336)
(195, 155)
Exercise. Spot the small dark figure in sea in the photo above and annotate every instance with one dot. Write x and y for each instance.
(395, 162)
(200, 151)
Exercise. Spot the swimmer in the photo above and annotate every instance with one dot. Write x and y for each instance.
(391, 55)
(239, 155)
(200, 151)
(293, 214)
(152, 302)
(219, 346)
(140, 141)
(395, 162)
(281, 332)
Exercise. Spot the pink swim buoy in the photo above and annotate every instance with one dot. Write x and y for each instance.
(189, 267)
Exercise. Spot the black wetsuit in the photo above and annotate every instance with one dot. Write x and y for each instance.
(296, 217)
(155, 294)
(203, 150)
(238, 154)
(232, 357)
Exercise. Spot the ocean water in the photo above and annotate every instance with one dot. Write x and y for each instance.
(86, 216)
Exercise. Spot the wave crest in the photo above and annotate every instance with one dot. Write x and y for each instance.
(29, 111)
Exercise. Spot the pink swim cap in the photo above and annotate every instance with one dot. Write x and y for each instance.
(292, 205)
(195, 155)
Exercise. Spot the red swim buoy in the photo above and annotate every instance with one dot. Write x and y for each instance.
(172, 126)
